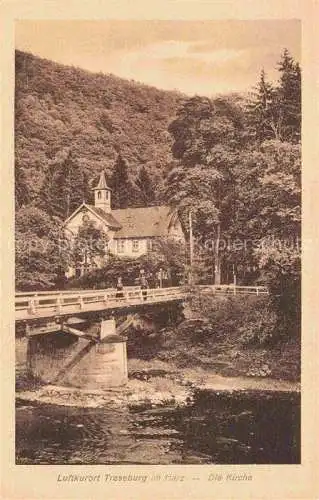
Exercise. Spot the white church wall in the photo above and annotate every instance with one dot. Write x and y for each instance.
(71, 230)
(130, 247)
(76, 222)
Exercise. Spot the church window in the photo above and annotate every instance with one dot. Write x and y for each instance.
(120, 246)
(135, 245)
(99, 194)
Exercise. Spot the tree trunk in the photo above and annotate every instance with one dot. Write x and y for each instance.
(191, 248)
(217, 274)
(67, 205)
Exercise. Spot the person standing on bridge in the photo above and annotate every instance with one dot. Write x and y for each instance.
(119, 288)
(144, 286)
(159, 276)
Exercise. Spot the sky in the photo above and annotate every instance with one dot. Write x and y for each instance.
(194, 57)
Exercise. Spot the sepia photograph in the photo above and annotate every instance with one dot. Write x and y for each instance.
(157, 168)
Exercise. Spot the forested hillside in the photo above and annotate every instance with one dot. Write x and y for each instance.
(67, 116)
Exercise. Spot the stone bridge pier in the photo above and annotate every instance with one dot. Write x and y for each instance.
(89, 350)
(71, 357)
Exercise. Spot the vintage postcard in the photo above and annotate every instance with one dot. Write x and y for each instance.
(159, 249)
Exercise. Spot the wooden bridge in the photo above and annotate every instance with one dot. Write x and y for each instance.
(65, 344)
(33, 305)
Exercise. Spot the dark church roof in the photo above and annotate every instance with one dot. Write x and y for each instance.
(142, 222)
(107, 217)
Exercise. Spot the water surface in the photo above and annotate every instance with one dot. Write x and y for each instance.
(214, 427)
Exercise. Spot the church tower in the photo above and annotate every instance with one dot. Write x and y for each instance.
(102, 194)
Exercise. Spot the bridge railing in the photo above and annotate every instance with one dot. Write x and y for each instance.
(72, 291)
(69, 302)
(235, 289)
(49, 304)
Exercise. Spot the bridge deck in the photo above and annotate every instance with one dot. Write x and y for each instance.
(32, 305)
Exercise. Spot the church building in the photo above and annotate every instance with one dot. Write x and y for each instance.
(130, 232)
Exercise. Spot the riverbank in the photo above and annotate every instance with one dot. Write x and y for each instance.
(154, 383)
(159, 373)
(226, 336)
(222, 361)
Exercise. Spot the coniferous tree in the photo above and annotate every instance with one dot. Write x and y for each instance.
(275, 112)
(145, 187)
(65, 187)
(288, 97)
(77, 187)
(260, 112)
(120, 184)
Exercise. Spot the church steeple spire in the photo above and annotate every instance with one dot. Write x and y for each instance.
(102, 194)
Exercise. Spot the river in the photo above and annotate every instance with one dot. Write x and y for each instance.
(212, 427)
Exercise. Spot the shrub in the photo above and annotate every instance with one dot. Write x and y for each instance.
(129, 270)
(247, 319)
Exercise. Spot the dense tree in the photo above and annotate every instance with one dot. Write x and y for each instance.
(21, 193)
(200, 125)
(90, 243)
(39, 260)
(145, 187)
(268, 191)
(66, 185)
(280, 265)
(120, 184)
(289, 97)
(267, 205)
(207, 137)
(260, 110)
(275, 110)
